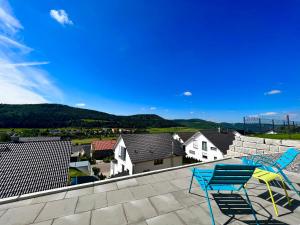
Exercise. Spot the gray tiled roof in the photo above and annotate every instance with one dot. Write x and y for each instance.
(221, 140)
(145, 147)
(78, 148)
(30, 139)
(33, 166)
(185, 135)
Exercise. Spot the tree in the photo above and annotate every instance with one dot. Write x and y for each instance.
(4, 137)
(96, 171)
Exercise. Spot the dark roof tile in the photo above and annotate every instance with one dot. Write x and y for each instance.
(33, 166)
(145, 147)
(222, 140)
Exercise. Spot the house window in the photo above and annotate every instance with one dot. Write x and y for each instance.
(204, 156)
(158, 161)
(195, 144)
(204, 145)
(122, 153)
(215, 158)
(192, 152)
(213, 148)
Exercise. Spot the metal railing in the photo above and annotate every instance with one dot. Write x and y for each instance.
(267, 125)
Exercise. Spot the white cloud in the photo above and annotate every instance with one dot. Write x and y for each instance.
(152, 108)
(273, 92)
(8, 23)
(80, 104)
(24, 64)
(269, 114)
(10, 44)
(21, 82)
(192, 112)
(60, 16)
(187, 93)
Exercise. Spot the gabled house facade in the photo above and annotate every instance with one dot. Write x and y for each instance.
(102, 149)
(138, 153)
(208, 145)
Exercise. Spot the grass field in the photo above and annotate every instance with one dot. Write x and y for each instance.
(171, 130)
(279, 136)
(86, 141)
(73, 172)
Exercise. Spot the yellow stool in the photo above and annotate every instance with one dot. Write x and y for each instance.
(267, 177)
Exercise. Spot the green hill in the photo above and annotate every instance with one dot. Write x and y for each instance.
(56, 115)
(197, 123)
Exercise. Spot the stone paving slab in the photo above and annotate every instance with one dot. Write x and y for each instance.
(186, 199)
(79, 192)
(2, 212)
(119, 196)
(191, 216)
(139, 210)
(183, 183)
(143, 191)
(165, 203)
(57, 209)
(166, 219)
(21, 215)
(164, 187)
(90, 202)
(140, 223)
(49, 198)
(16, 204)
(144, 180)
(112, 215)
(105, 187)
(75, 219)
(48, 222)
(127, 183)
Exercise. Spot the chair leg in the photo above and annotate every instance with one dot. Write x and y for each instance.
(271, 195)
(191, 182)
(286, 193)
(249, 202)
(289, 182)
(210, 209)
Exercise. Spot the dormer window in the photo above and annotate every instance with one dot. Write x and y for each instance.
(195, 144)
(122, 153)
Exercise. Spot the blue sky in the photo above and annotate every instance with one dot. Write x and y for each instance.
(217, 60)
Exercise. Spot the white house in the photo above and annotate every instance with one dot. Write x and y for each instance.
(138, 153)
(208, 145)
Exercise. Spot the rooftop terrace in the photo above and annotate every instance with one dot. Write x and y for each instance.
(154, 198)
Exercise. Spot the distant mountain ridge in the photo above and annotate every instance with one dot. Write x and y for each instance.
(57, 115)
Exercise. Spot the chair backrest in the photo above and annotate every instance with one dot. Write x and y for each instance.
(288, 157)
(232, 174)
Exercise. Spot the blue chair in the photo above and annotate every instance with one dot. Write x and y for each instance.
(224, 177)
(269, 164)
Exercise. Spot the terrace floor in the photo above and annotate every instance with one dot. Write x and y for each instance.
(157, 199)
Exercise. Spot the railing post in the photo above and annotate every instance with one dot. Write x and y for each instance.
(260, 128)
(244, 125)
(288, 122)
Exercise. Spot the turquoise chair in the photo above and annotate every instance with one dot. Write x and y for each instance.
(269, 164)
(224, 177)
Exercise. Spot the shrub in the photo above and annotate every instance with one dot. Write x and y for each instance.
(96, 171)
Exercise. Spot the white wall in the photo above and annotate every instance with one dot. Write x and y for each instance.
(117, 168)
(211, 154)
(149, 165)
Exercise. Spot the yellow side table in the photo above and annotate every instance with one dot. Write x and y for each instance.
(267, 177)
